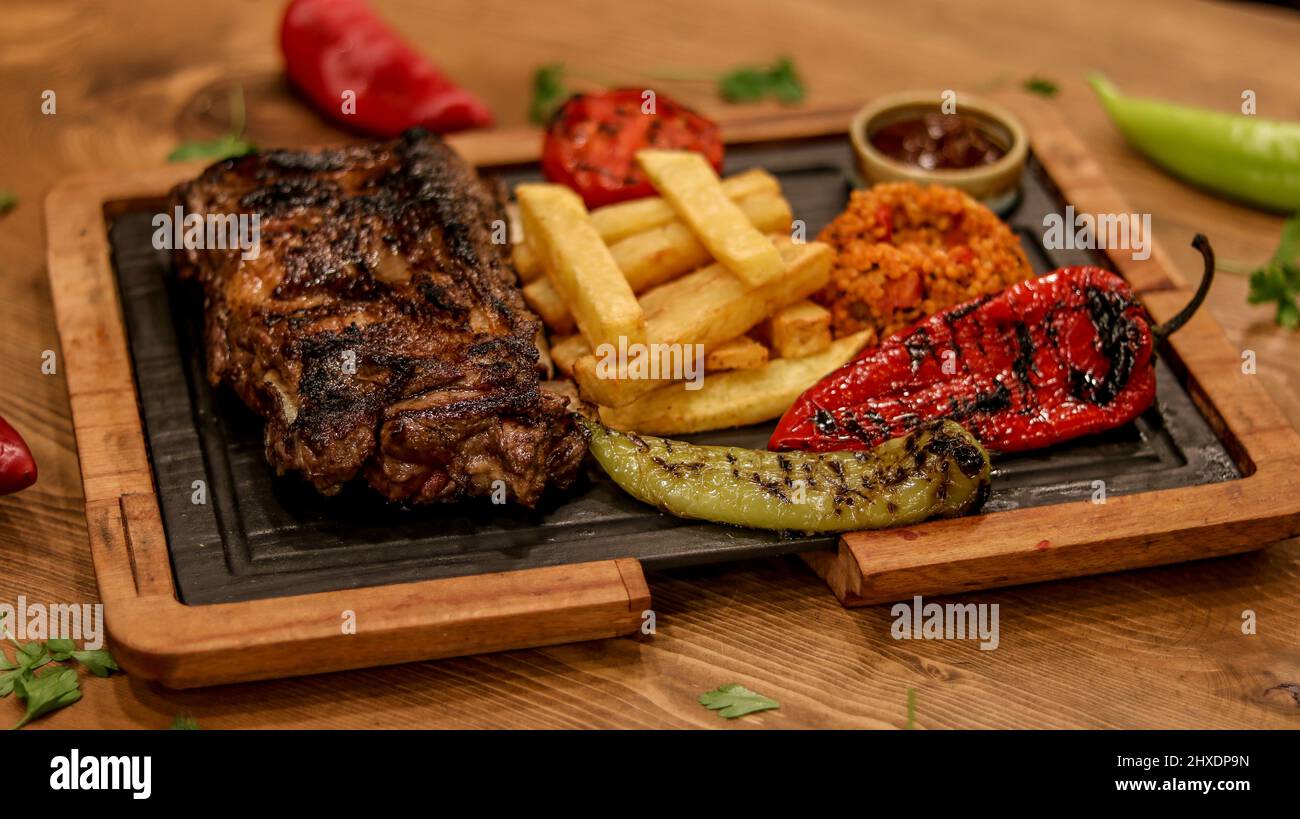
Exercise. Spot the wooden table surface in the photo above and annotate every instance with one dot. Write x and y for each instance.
(1155, 648)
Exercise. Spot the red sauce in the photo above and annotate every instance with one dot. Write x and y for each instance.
(935, 141)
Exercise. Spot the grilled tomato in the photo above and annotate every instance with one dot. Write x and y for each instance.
(592, 141)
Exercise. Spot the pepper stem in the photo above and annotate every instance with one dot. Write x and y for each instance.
(1207, 253)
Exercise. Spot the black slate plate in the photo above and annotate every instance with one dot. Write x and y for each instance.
(258, 535)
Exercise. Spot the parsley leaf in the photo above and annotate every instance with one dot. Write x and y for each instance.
(217, 149)
(98, 662)
(31, 656)
(1279, 279)
(60, 650)
(752, 84)
(8, 201)
(224, 147)
(549, 93)
(56, 687)
(1041, 86)
(47, 692)
(736, 700)
(184, 722)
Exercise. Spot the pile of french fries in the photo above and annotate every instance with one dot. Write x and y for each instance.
(708, 262)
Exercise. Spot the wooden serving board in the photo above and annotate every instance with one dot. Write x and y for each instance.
(157, 636)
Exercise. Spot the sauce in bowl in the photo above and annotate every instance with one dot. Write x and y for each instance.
(935, 141)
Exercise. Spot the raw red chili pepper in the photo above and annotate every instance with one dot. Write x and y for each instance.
(17, 467)
(592, 141)
(332, 47)
(1044, 361)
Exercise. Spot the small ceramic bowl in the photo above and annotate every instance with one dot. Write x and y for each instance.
(996, 185)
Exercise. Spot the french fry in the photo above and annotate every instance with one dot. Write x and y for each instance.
(731, 399)
(567, 350)
(579, 265)
(619, 221)
(801, 329)
(710, 306)
(525, 261)
(544, 300)
(740, 353)
(655, 256)
(687, 182)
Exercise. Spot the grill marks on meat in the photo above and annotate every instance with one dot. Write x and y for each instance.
(379, 331)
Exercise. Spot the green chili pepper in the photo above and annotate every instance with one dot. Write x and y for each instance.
(1242, 156)
(937, 470)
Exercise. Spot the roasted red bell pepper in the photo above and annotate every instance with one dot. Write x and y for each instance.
(1045, 360)
(17, 467)
(332, 47)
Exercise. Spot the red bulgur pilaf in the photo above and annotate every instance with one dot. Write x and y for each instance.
(903, 252)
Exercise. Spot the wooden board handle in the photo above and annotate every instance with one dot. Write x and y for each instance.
(156, 637)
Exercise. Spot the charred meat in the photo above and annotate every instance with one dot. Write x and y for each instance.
(379, 331)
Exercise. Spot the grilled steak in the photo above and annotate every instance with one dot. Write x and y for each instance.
(380, 331)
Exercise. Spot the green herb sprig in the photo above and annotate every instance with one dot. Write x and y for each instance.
(8, 201)
(735, 700)
(43, 691)
(1279, 279)
(755, 83)
(549, 93)
(1041, 86)
(184, 722)
(739, 85)
(224, 147)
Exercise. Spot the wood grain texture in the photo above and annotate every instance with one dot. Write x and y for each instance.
(1160, 647)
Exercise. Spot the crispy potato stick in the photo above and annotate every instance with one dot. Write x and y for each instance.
(566, 351)
(687, 182)
(525, 262)
(579, 265)
(707, 307)
(803, 328)
(731, 399)
(655, 256)
(544, 300)
(741, 353)
(619, 221)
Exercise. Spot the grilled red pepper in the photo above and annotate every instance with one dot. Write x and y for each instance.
(332, 47)
(17, 467)
(1044, 361)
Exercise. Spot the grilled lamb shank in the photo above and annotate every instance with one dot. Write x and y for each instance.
(380, 331)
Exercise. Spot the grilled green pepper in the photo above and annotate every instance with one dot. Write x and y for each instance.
(937, 470)
(1249, 158)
